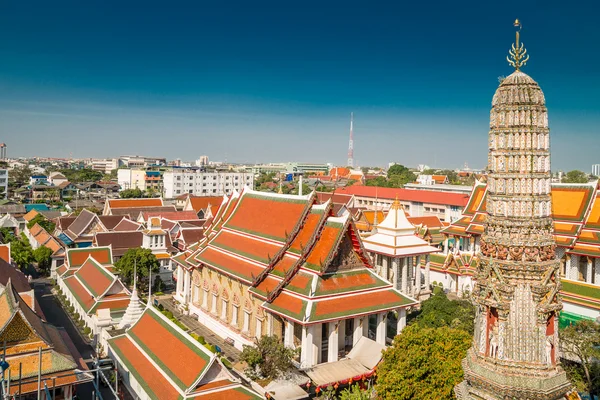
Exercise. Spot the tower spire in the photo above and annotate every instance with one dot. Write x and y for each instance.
(518, 53)
(351, 143)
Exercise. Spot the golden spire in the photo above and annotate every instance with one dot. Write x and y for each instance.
(518, 54)
(396, 205)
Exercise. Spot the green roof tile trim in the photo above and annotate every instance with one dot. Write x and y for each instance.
(589, 195)
(248, 278)
(286, 312)
(113, 310)
(178, 336)
(566, 318)
(245, 392)
(472, 198)
(378, 282)
(133, 371)
(576, 300)
(88, 285)
(79, 299)
(87, 250)
(359, 310)
(271, 198)
(437, 258)
(300, 290)
(584, 252)
(581, 290)
(238, 252)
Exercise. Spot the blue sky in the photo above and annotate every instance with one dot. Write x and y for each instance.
(276, 81)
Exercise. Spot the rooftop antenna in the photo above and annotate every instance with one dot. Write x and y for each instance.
(351, 142)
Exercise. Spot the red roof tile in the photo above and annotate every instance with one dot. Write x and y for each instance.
(423, 196)
(128, 203)
(230, 264)
(268, 216)
(201, 203)
(246, 246)
(94, 277)
(77, 257)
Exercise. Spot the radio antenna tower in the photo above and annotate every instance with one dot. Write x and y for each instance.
(351, 143)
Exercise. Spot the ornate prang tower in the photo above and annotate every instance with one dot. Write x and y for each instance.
(515, 346)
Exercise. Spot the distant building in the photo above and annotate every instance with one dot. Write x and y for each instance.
(3, 151)
(292, 168)
(105, 165)
(3, 183)
(38, 179)
(202, 161)
(131, 179)
(204, 183)
(596, 169)
(141, 161)
(432, 179)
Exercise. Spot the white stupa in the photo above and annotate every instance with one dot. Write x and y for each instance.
(134, 309)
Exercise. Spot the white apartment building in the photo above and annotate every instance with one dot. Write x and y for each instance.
(105, 165)
(131, 179)
(3, 183)
(596, 169)
(199, 183)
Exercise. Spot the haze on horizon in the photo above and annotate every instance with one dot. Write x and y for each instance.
(269, 82)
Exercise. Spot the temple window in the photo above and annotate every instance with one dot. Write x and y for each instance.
(205, 298)
(582, 269)
(224, 309)
(234, 315)
(246, 326)
(213, 308)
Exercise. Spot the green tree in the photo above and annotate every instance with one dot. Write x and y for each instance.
(268, 358)
(429, 172)
(422, 364)
(21, 253)
(131, 193)
(438, 311)
(141, 259)
(8, 234)
(42, 255)
(355, 393)
(575, 176)
(379, 181)
(399, 175)
(19, 176)
(581, 342)
(49, 226)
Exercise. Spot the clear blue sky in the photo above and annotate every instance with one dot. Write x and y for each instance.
(274, 81)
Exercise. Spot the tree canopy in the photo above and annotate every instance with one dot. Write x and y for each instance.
(438, 311)
(397, 176)
(78, 175)
(42, 255)
(19, 176)
(581, 342)
(422, 364)
(21, 252)
(48, 225)
(131, 193)
(575, 176)
(141, 259)
(268, 358)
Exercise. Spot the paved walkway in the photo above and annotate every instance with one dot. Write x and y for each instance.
(194, 326)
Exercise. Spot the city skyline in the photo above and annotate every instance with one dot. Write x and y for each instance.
(106, 80)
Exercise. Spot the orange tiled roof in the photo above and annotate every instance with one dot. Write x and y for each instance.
(268, 216)
(129, 203)
(95, 278)
(76, 257)
(201, 203)
(5, 252)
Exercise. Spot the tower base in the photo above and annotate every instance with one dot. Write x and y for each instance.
(490, 382)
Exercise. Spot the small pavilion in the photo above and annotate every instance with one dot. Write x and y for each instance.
(398, 252)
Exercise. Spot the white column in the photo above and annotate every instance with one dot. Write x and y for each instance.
(365, 326)
(589, 277)
(180, 280)
(411, 275)
(306, 354)
(332, 351)
(404, 276)
(269, 324)
(427, 272)
(401, 320)
(186, 287)
(288, 339)
(384, 266)
(446, 245)
(358, 331)
(419, 278)
(317, 344)
(396, 270)
(597, 271)
(381, 322)
(258, 328)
